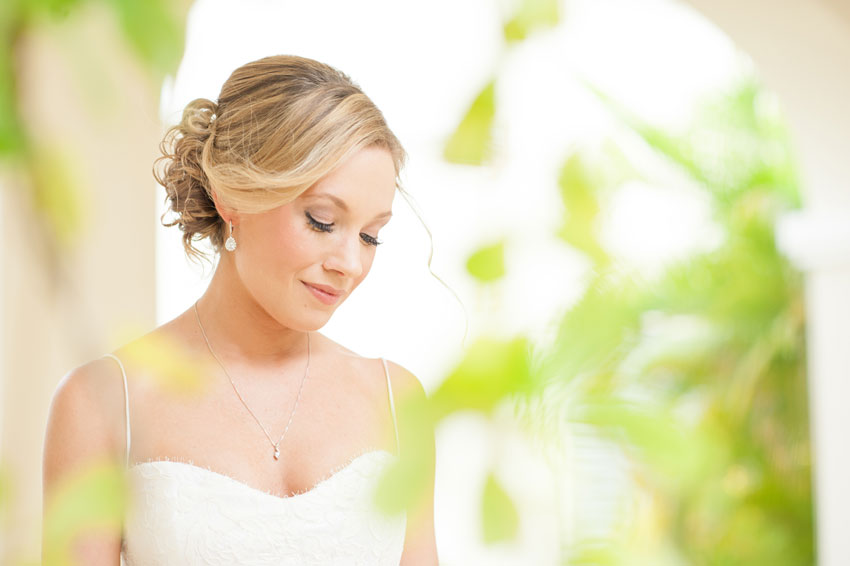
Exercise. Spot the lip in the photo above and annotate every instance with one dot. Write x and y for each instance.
(325, 288)
(324, 293)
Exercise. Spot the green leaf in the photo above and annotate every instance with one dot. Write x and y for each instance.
(58, 191)
(499, 517)
(597, 330)
(58, 9)
(405, 483)
(490, 371)
(471, 142)
(168, 364)
(531, 16)
(488, 263)
(12, 136)
(402, 484)
(578, 193)
(154, 30)
(596, 552)
(92, 498)
(656, 138)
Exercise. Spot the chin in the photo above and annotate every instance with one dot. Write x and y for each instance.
(315, 323)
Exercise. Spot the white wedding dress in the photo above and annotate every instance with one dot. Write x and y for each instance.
(187, 515)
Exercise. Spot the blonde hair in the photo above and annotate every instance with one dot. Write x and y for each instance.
(280, 124)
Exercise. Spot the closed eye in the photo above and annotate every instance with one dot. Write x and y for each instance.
(320, 225)
(329, 228)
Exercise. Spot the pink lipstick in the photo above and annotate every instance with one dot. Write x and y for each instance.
(328, 295)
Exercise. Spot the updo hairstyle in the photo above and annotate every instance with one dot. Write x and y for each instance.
(280, 124)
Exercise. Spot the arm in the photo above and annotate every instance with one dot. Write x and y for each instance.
(420, 546)
(77, 445)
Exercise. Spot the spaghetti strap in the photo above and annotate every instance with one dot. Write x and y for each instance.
(126, 406)
(392, 405)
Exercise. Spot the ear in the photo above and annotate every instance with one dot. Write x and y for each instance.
(227, 214)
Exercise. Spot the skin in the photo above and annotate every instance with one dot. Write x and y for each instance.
(257, 314)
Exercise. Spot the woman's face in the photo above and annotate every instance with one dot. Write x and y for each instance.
(324, 238)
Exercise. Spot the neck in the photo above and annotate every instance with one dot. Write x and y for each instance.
(241, 330)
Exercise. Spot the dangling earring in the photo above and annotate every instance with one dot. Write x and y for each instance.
(230, 243)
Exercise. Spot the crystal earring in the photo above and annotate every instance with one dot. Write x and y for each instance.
(230, 243)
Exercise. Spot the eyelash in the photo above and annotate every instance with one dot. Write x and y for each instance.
(370, 241)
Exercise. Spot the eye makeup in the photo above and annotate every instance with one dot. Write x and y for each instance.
(324, 227)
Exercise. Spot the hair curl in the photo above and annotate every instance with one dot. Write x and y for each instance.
(279, 125)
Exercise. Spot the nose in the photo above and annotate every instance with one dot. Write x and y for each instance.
(345, 257)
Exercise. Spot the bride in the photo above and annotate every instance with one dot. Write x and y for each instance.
(274, 456)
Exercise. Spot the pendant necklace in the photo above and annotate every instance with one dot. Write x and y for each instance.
(275, 445)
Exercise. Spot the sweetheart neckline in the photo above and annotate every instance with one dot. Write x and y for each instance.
(334, 473)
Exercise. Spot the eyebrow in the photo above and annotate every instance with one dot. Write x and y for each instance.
(341, 203)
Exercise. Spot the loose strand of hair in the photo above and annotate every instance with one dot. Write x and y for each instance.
(411, 201)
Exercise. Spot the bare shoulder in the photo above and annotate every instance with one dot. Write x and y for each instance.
(79, 438)
(368, 373)
(420, 545)
(86, 414)
(81, 418)
(405, 383)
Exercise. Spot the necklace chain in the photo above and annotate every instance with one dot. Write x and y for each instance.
(275, 445)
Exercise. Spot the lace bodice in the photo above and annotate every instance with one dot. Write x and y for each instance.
(185, 514)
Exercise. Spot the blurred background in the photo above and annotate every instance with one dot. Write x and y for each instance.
(643, 207)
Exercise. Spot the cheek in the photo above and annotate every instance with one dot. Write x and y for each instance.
(291, 242)
(278, 249)
(367, 258)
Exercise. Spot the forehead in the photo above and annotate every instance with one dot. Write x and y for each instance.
(365, 182)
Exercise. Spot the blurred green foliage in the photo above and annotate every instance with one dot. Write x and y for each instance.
(90, 499)
(153, 30)
(720, 345)
(57, 193)
(697, 373)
